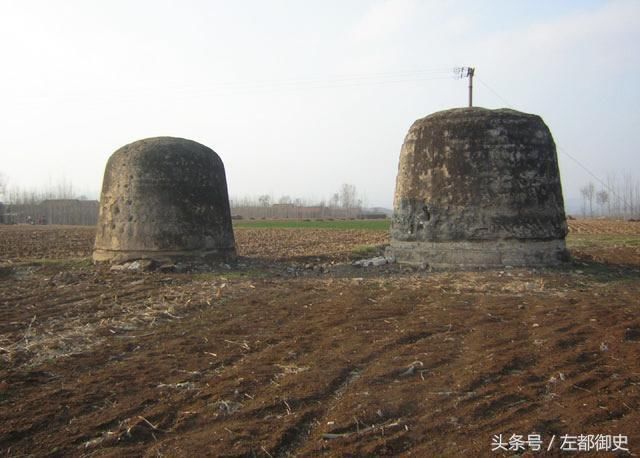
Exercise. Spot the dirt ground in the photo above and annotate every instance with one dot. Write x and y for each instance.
(294, 352)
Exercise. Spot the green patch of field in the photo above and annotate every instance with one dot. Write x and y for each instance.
(602, 240)
(64, 263)
(361, 224)
(366, 251)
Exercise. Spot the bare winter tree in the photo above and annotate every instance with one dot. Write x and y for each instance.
(334, 201)
(618, 198)
(348, 196)
(602, 198)
(64, 189)
(264, 200)
(628, 195)
(3, 186)
(588, 193)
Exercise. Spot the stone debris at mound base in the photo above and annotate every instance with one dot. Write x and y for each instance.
(148, 265)
(373, 262)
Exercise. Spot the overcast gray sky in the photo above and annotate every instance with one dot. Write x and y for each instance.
(298, 97)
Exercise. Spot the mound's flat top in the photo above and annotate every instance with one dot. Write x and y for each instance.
(468, 113)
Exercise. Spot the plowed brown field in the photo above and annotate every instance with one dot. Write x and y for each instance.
(294, 352)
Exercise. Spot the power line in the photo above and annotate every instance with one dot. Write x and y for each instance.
(562, 151)
(495, 93)
(296, 83)
(308, 84)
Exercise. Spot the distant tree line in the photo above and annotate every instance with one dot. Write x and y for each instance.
(346, 203)
(616, 198)
(56, 204)
(39, 205)
(16, 195)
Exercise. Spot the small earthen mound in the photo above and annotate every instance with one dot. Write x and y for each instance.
(478, 188)
(164, 199)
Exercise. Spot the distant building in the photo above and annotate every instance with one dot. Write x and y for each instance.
(52, 211)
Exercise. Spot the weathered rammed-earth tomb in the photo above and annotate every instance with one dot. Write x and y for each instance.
(478, 188)
(164, 199)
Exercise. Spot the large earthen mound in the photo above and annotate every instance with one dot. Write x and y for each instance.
(478, 188)
(164, 199)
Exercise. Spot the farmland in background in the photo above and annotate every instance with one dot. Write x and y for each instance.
(365, 225)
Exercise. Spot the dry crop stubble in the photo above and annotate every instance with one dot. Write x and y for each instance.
(361, 361)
